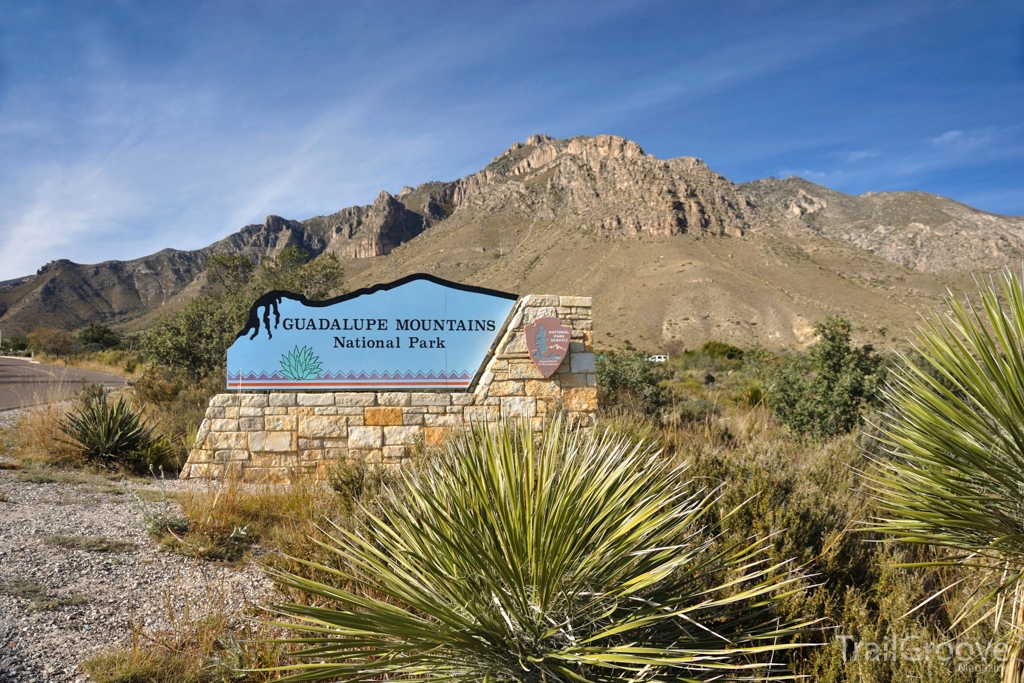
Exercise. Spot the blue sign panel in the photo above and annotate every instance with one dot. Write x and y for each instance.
(419, 332)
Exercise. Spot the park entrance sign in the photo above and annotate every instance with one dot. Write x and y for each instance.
(417, 333)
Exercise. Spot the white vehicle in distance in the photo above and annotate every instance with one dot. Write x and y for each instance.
(658, 359)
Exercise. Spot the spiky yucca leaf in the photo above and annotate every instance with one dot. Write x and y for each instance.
(574, 558)
(954, 428)
(300, 364)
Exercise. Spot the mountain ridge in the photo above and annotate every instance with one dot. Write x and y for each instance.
(547, 202)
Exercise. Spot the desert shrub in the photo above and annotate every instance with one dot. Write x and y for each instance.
(100, 336)
(563, 558)
(113, 434)
(51, 340)
(825, 394)
(628, 378)
(179, 402)
(722, 350)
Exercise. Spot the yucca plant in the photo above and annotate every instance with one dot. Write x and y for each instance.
(569, 558)
(954, 428)
(110, 433)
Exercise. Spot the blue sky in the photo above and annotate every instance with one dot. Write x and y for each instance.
(127, 127)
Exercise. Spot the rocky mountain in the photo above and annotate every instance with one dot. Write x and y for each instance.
(673, 252)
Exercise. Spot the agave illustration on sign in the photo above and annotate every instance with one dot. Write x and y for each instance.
(299, 364)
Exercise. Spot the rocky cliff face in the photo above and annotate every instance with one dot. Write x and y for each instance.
(920, 231)
(609, 183)
(586, 199)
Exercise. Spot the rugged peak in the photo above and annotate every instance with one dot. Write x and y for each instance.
(610, 183)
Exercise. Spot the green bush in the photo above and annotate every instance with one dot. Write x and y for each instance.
(568, 558)
(828, 397)
(628, 378)
(722, 350)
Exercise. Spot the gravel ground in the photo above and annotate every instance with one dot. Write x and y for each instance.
(59, 606)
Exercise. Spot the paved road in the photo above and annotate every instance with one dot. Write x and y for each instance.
(24, 383)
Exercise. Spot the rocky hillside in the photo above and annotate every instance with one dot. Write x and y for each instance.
(673, 252)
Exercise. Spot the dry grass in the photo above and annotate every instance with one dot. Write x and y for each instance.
(198, 645)
(227, 518)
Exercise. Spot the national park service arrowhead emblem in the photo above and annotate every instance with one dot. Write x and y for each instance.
(547, 340)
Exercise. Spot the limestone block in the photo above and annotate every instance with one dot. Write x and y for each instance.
(577, 347)
(535, 300)
(215, 413)
(314, 399)
(253, 400)
(582, 324)
(336, 453)
(365, 437)
(519, 406)
(581, 301)
(382, 416)
(203, 432)
(283, 400)
(531, 314)
(279, 423)
(231, 413)
(310, 444)
(226, 440)
(434, 436)
(250, 424)
(591, 380)
(336, 443)
(355, 399)
(410, 419)
(582, 362)
(200, 455)
(588, 340)
(275, 442)
(308, 410)
(498, 365)
(250, 411)
(424, 399)
(221, 456)
(400, 436)
(222, 400)
(323, 427)
(442, 420)
(543, 389)
(436, 410)
(393, 398)
(325, 410)
(311, 454)
(275, 411)
(580, 399)
(516, 344)
(480, 414)
(394, 453)
(462, 399)
(510, 388)
(351, 410)
(523, 370)
(567, 381)
(239, 455)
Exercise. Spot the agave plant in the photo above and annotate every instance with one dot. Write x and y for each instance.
(572, 558)
(300, 364)
(954, 427)
(110, 433)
